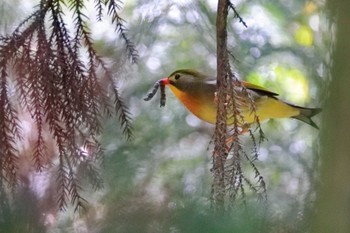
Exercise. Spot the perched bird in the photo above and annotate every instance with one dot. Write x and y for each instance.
(197, 92)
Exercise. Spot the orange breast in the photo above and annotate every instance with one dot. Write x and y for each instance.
(203, 108)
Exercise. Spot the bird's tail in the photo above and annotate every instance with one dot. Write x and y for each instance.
(306, 114)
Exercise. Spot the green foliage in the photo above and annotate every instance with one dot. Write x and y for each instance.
(168, 164)
(160, 181)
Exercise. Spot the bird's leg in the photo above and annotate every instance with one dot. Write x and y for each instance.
(244, 129)
(231, 138)
(216, 100)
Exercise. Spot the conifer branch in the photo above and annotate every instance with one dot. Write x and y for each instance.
(113, 8)
(236, 14)
(229, 154)
(62, 93)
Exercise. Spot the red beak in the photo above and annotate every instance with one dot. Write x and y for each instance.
(165, 81)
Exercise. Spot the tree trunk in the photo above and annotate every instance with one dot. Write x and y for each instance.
(333, 204)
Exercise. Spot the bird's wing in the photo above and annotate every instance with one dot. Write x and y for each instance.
(253, 87)
(258, 89)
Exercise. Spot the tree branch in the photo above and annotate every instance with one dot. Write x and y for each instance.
(229, 177)
(220, 152)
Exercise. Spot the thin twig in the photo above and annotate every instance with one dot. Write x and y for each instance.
(230, 4)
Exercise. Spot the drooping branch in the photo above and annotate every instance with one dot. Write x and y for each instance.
(65, 94)
(113, 8)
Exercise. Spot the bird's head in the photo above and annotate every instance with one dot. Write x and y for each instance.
(184, 79)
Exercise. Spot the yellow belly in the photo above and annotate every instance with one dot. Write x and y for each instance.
(205, 108)
(268, 107)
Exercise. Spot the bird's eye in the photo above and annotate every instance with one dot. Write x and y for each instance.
(177, 76)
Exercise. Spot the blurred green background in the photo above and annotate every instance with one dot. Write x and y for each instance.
(161, 181)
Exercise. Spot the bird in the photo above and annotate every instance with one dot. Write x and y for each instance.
(198, 93)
